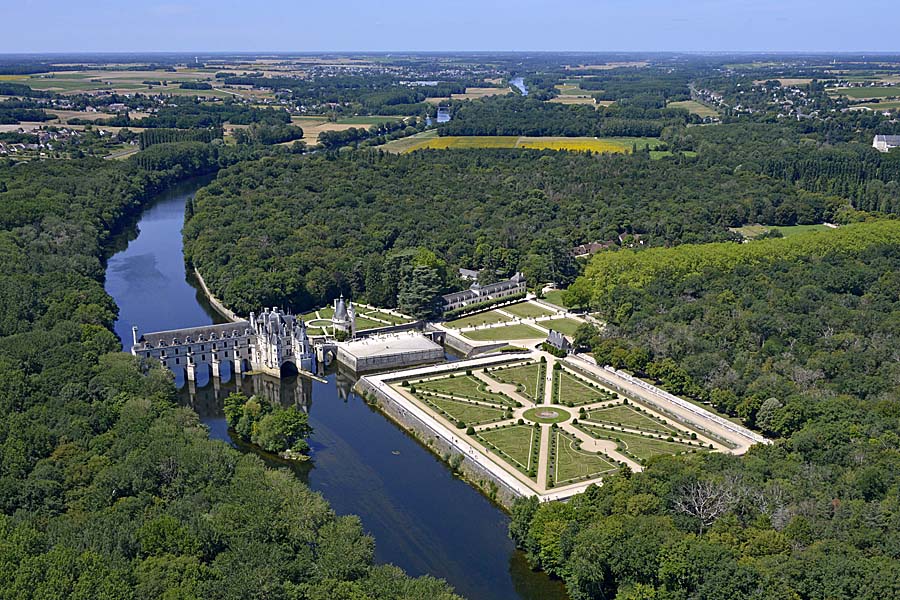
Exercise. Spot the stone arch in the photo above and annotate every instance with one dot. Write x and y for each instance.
(288, 369)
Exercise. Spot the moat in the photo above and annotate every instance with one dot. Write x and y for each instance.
(423, 518)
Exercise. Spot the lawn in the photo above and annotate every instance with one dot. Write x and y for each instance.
(889, 105)
(363, 323)
(463, 386)
(484, 318)
(466, 412)
(564, 326)
(695, 107)
(385, 316)
(527, 310)
(366, 120)
(507, 332)
(529, 376)
(640, 446)
(555, 297)
(517, 444)
(572, 463)
(626, 416)
(576, 391)
(547, 414)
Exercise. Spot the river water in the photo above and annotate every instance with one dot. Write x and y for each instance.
(519, 82)
(423, 518)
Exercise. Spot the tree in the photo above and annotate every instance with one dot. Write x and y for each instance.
(420, 293)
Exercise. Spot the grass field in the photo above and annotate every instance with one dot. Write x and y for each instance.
(890, 105)
(517, 444)
(754, 231)
(378, 314)
(585, 144)
(572, 464)
(695, 107)
(69, 82)
(526, 310)
(867, 92)
(529, 376)
(466, 412)
(507, 332)
(626, 416)
(462, 386)
(574, 100)
(575, 391)
(484, 318)
(564, 326)
(363, 323)
(554, 414)
(640, 446)
(555, 297)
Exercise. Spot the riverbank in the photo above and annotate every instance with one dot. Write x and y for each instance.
(213, 301)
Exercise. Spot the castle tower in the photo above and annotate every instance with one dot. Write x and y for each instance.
(341, 320)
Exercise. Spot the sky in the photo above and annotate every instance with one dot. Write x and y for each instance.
(35, 26)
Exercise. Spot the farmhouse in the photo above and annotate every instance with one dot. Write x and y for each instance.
(884, 143)
(482, 293)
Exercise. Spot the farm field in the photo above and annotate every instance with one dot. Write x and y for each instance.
(314, 125)
(526, 310)
(506, 332)
(529, 376)
(889, 105)
(585, 144)
(568, 99)
(517, 444)
(485, 318)
(640, 446)
(124, 81)
(463, 386)
(572, 464)
(626, 416)
(867, 92)
(564, 326)
(695, 107)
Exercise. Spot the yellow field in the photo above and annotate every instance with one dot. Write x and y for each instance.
(581, 144)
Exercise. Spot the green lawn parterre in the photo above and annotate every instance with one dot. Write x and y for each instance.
(463, 411)
(570, 464)
(574, 391)
(527, 310)
(483, 318)
(464, 387)
(506, 332)
(626, 416)
(530, 377)
(564, 325)
(641, 447)
(516, 444)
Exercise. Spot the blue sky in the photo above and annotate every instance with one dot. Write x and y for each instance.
(580, 25)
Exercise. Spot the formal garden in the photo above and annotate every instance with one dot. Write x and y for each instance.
(528, 377)
(568, 463)
(518, 445)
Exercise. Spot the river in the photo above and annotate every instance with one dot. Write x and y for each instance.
(519, 82)
(424, 519)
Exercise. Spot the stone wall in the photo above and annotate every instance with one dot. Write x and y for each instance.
(471, 471)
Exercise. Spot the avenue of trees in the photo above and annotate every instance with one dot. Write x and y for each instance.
(108, 490)
(298, 231)
(795, 336)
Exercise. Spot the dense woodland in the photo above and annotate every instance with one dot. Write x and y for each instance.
(298, 231)
(796, 336)
(108, 490)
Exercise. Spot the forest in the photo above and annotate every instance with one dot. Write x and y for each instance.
(796, 337)
(298, 231)
(109, 490)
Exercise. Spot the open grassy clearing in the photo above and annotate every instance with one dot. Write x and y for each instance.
(641, 447)
(516, 444)
(461, 411)
(363, 323)
(484, 318)
(626, 416)
(890, 105)
(660, 154)
(754, 231)
(506, 332)
(867, 92)
(555, 297)
(463, 386)
(529, 377)
(695, 107)
(527, 310)
(571, 464)
(564, 326)
(408, 144)
(574, 100)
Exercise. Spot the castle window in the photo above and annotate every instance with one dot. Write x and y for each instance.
(177, 361)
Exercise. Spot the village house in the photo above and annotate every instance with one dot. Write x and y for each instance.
(885, 143)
